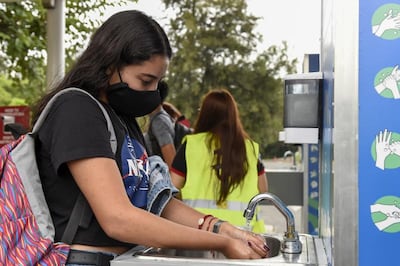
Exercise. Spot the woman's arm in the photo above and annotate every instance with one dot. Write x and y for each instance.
(178, 169)
(177, 180)
(262, 183)
(101, 183)
(168, 153)
(179, 212)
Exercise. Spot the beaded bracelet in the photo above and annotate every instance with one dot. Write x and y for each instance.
(203, 219)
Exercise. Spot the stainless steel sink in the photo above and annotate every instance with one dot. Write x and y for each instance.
(312, 254)
(273, 243)
(290, 248)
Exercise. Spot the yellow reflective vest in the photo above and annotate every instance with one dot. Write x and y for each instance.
(202, 186)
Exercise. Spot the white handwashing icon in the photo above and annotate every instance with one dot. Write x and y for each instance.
(392, 213)
(390, 22)
(390, 82)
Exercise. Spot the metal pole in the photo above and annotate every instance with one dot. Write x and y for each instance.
(55, 43)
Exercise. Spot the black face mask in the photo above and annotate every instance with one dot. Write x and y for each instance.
(127, 101)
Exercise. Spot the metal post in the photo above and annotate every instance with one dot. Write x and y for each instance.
(55, 42)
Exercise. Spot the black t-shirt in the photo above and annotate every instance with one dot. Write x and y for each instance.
(75, 129)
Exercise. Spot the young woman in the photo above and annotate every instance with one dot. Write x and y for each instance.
(218, 168)
(121, 67)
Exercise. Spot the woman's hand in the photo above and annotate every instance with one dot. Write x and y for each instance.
(239, 249)
(254, 241)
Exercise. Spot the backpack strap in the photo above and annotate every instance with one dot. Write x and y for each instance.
(81, 213)
(81, 216)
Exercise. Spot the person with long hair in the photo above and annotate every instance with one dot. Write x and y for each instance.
(121, 67)
(217, 168)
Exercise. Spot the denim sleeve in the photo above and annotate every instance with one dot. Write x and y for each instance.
(161, 189)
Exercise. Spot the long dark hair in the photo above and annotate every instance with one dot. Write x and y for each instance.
(219, 115)
(126, 38)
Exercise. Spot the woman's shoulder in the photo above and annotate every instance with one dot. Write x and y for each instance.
(202, 137)
(75, 97)
(74, 108)
(252, 146)
(198, 135)
(250, 141)
(75, 104)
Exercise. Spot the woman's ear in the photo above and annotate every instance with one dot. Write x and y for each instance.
(110, 70)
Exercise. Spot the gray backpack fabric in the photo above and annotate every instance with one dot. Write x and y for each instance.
(37, 193)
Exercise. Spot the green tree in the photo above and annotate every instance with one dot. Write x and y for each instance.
(215, 45)
(23, 43)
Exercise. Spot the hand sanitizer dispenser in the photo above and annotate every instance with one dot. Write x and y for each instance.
(302, 108)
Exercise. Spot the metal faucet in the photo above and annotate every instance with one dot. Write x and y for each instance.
(291, 243)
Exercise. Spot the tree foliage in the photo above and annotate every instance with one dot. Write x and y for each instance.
(214, 42)
(215, 45)
(23, 43)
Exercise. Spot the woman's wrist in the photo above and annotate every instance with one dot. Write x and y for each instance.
(229, 230)
(217, 226)
(210, 223)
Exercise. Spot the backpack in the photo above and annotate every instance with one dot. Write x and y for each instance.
(180, 131)
(26, 227)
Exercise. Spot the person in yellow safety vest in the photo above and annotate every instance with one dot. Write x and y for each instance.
(218, 167)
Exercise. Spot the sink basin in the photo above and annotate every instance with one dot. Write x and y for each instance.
(313, 254)
(273, 243)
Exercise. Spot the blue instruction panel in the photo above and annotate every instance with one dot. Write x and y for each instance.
(379, 133)
(313, 188)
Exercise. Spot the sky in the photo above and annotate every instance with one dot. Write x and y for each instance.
(298, 22)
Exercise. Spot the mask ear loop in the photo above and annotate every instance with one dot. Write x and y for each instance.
(119, 74)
